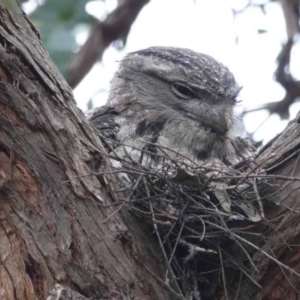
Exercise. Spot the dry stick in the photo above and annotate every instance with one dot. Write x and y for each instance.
(134, 162)
(176, 244)
(258, 198)
(282, 162)
(241, 268)
(171, 150)
(244, 178)
(222, 271)
(239, 285)
(268, 255)
(288, 245)
(137, 200)
(134, 187)
(229, 232)
(165, 285)
(129, 196)
(273, 194)
(196, 292)
(168, 156)
(163, 250)
(279, 177)
(98, 173)
(160, 242)
(113, 213)
(226, 229)
(238, 152)
(244, 250)
(135, 171)
(195, 249)
(176, 264)
(204, 228)
(174, 224)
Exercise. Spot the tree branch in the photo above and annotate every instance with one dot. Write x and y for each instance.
(291, 15)
(116, 26)
(282, 74)
(285, 78)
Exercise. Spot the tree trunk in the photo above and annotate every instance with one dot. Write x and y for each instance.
(52, 226)
(58, 226)
(281, 158)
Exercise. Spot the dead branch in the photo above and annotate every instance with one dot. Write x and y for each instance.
(282, 74)
(291, 16)
(116, 26)
(287, 81)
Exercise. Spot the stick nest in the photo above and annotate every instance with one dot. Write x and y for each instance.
(204, 218)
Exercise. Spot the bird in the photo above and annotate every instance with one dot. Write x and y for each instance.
(175, 102)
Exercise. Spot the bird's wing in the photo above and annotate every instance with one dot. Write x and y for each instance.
(104, 120)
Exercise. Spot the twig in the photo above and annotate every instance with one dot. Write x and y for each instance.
(223, 271)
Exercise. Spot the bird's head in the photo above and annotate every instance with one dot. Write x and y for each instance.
(180, 82)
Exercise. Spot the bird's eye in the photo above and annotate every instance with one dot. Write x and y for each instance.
(182, 91)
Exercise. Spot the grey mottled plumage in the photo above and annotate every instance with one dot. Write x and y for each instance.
(176, 98)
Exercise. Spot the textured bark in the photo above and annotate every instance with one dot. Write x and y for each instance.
(280, 158)
(52, 228)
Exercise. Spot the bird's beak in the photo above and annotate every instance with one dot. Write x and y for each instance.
(219, 123)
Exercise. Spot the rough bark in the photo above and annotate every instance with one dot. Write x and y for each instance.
(52, 228)
(281, 158)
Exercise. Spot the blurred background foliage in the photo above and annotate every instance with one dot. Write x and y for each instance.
(58, 22)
